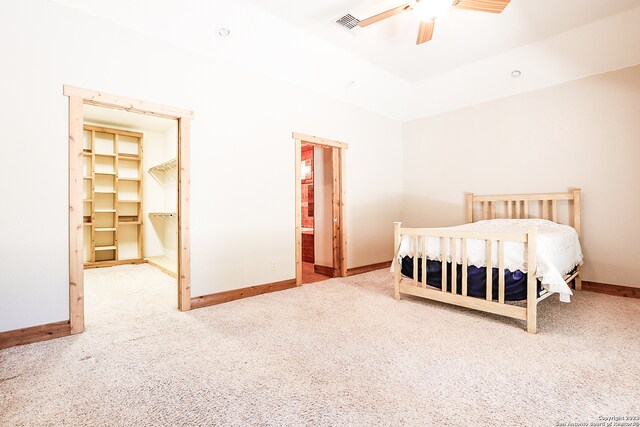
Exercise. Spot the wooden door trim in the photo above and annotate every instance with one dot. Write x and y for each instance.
(77, 98)
(104, 99)
(318, 141)
(339, 240)
(76, 233)
(184, 203)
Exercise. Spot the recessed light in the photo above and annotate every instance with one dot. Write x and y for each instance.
(516, 73)
(224, 32)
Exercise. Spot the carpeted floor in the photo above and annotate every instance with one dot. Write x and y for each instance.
(340, 352)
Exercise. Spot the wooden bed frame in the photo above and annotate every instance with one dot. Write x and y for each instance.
(515, 206)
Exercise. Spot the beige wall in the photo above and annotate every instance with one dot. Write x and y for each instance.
(323, 189)
(585, 133)
(242, 156)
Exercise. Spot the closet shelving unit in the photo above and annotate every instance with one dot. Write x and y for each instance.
(113, 196)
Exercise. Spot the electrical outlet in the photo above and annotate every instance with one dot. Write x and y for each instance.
(274, 266)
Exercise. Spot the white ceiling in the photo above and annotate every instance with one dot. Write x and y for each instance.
(461, 38)
(469, 61)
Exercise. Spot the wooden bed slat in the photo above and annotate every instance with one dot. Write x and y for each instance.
(469, 302)
(443, 258)
(468, 234)
(509, 209)
(577, 224)
(545, 209)
(501, 289)
(525, 206)
(489, 270)
(531, 197)
(424, 262)
(469, 206)
(397, 273)
(454, 267)
(577, 221)
(554, 211)
(415, 261)
(532, 283)
(518, 213)
(463, 244)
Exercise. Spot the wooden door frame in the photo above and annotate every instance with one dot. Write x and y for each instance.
(77, 98)
(338, 196)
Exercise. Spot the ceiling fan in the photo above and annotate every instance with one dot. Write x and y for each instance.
(430, 10)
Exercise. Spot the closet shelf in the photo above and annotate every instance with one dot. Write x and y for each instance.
(163, 167)
(105, 248)
(129, 201)
(105, 154)
(105, 192)
(128, 179)
(104, 173)
(105, 210)
(87, 177)
(105, 229)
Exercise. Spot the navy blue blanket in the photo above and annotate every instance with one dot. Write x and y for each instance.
(515, 282)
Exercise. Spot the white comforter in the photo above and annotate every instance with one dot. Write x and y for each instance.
(558, 250)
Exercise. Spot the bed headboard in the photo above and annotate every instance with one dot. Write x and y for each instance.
(516, 206)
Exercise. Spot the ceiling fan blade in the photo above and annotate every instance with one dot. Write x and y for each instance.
(492, 6)
(384, 15)
(425, 32)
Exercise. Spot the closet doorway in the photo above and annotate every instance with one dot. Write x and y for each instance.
(128, 190)
(320, 198)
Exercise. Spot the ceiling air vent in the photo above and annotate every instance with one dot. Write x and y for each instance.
(348, 22)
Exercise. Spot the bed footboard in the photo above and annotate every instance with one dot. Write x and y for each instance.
(449, 240)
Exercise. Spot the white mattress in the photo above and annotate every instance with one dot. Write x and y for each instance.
(558, 250)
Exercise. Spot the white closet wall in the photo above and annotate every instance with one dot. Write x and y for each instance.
(160, 196)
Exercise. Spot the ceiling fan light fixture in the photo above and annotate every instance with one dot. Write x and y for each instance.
(430, 10)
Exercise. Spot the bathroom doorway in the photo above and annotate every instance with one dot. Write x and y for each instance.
(320, 223)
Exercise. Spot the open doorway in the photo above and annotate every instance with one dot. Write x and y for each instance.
(105, 241)
(315, 213)
(129, 213)
(320, 222)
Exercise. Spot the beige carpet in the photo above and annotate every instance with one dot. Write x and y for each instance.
(340, 352)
